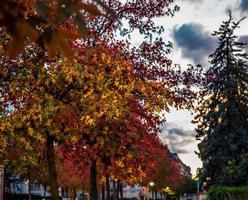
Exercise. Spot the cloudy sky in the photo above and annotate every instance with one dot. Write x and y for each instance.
(190, 31)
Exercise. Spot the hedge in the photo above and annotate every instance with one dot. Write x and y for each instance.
(228, 193)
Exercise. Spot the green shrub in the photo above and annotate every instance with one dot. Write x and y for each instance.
(228, 193)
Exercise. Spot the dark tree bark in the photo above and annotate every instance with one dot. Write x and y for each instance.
(121, 190)
(93, 181)
(118, 189)
(103, 193)
(29, 189)
(107, 188)
(114, 190)
(53, 182)
(67, 193)
(74, 193)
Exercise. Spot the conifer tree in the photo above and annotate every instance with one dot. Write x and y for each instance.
(222, 114)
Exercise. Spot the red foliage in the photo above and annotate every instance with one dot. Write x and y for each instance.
(73, 167)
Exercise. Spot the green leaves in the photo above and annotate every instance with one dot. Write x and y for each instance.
(222, 124)
(228, 193)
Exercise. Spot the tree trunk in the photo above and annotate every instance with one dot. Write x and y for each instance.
(29, 190)
(114, 190)
(1, 182)
(103, 193)
(67, 193)
(53, 182)
(83, 196)
(44, 186)
(121, 190)
(74, 194)
(118, 190)
(93, 181)
(107, 188)
(156, 194)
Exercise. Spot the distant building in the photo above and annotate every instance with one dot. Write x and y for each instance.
(185, 170)
(131, 191)
(16, 185)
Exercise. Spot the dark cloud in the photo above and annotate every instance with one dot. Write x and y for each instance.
(179, 151)
(243, 38)
(243, 5)
(177, 138)
(180, 132)
(195, 43)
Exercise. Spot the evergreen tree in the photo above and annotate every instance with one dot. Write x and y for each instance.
(222, 114)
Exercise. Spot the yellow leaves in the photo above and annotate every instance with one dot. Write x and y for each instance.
(27, 145)
(30, 131)
(74, 139)
(87, 120)
(88, 93)
(120, 163)
(41, 138)
(116, 83)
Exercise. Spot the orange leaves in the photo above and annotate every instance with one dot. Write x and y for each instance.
(60, 42)
(41, 21)
(91, 9)
(96, 98)
(23, 31)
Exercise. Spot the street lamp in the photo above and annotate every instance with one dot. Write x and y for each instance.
(151, 185)
(197, 185)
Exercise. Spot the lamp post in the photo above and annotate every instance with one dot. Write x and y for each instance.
(167, 191)
(151, 185)
(197, 185)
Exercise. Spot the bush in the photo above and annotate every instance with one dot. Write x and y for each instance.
(235, 173)
(228, 193)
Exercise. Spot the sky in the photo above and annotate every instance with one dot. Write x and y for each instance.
(190, 32)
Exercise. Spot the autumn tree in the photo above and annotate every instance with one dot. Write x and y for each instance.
(161, 168)
(73, 169)
(131, 157)
(222, 113)
(55, 100)
(149, 57)
(44, 23)
(109, 137)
